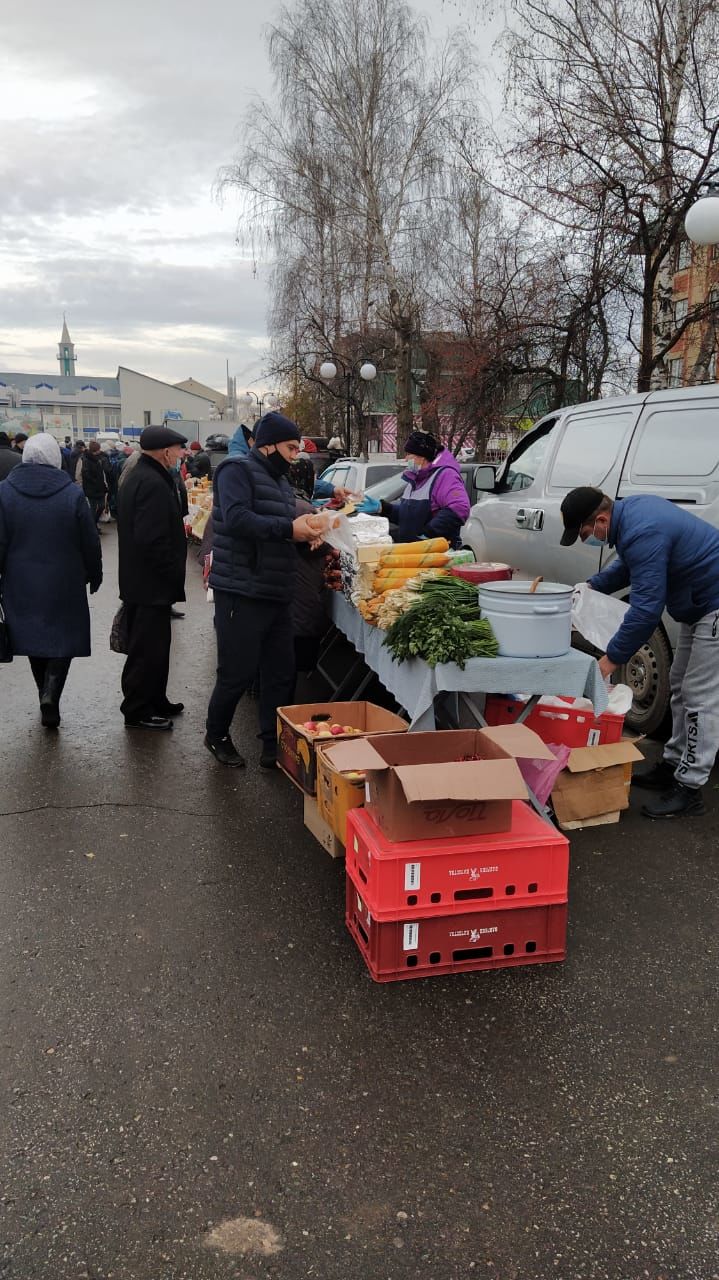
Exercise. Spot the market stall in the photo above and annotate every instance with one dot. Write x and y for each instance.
(432, 695)
(453, 860)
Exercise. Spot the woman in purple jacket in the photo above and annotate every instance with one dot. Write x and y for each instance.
(435, 502)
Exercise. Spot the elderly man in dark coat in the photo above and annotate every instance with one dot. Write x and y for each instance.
(153, 554)
(49, 551)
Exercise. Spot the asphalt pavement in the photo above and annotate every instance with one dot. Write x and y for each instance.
(200, 1081)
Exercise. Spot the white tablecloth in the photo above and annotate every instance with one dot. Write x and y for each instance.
(415, 684)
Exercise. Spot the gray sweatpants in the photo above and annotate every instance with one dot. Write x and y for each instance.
(694, 683)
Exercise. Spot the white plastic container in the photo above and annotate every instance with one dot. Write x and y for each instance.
(528, 624)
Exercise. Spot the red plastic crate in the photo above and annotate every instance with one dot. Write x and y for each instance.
(524, 867)
(569, 726)
(397, 949)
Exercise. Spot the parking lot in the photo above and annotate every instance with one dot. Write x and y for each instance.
(200, 1080)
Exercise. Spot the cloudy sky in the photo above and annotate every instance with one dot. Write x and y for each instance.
(114, 122)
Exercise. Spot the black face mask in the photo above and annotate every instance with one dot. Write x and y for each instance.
(279, 465)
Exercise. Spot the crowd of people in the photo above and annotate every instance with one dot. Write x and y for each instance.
(50, 513)
(266, 572)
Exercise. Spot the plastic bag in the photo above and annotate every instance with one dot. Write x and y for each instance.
(620, 699)
(335, 531)
(541, 775)
(595, 616)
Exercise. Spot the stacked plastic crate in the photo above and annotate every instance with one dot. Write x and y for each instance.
(452, 904)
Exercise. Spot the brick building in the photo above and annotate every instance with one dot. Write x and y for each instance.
(693, 359)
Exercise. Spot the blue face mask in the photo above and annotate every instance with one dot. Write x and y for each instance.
(594, 541)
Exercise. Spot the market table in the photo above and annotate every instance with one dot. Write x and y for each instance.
(434, 694)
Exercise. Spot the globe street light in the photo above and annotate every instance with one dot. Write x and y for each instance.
(367, 372)
(702, 221)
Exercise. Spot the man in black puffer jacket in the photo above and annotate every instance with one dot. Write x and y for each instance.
(253, 578)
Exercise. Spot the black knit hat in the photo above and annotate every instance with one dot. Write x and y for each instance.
(275, 428)
(423, 445)
(576, 509)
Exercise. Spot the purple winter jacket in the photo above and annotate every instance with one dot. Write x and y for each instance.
(449, 503)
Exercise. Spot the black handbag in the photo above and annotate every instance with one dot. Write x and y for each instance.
(5, 646)
(119, 632)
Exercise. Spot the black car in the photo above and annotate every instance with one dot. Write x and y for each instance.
(219, 441)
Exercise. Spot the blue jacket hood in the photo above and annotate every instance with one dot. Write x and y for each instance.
(34, 480)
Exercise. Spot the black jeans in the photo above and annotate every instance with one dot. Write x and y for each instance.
(144, 676)
(97, 506)
(252, 636)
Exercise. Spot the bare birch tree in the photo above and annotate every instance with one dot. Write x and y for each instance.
(338, 169)
(618, 100)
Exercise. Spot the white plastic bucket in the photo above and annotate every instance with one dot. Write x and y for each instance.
(528, 625)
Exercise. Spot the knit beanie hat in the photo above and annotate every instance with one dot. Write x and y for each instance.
(274, 428)
(423, 445)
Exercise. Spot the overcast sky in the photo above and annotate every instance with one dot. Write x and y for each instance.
(114, 121)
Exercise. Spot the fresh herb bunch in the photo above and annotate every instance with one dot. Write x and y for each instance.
(451, 591)
(439, 632)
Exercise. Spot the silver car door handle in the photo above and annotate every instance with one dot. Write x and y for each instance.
(529, 518)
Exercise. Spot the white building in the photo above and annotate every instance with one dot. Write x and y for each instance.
(67, 404)
(146, 401)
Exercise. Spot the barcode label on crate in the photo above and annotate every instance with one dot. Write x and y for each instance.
(411, 937)
(594, 736)
(411, 875)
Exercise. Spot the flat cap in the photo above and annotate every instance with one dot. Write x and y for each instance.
(160, 438)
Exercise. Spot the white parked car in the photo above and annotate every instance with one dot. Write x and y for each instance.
(663, 442)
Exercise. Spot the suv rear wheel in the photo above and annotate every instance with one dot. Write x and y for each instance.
(647, 675)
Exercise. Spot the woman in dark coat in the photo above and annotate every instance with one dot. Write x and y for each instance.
(49, 551)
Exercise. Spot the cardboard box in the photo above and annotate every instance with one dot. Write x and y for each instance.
(451, 783)
(296, 748)
(324, 834)
(336, 794)
(595, 784)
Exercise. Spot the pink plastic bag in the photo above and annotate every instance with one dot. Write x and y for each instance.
(541, 775)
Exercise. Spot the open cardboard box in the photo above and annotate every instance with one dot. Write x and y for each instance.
(296, 748)
(594, 787)
(421, 784)
(337, 792)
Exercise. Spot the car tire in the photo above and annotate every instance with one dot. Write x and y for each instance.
(647, 675)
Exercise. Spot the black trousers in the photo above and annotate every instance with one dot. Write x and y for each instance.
(54, 668)
(253, 636)
(144, 676)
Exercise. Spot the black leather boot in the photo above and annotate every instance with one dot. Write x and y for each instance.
(51, 692)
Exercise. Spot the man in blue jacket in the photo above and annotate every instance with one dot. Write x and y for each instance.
(670, 560)
(253, 579)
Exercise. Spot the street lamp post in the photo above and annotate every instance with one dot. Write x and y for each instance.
(367, 372)
(702, 221)
(260, 400)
